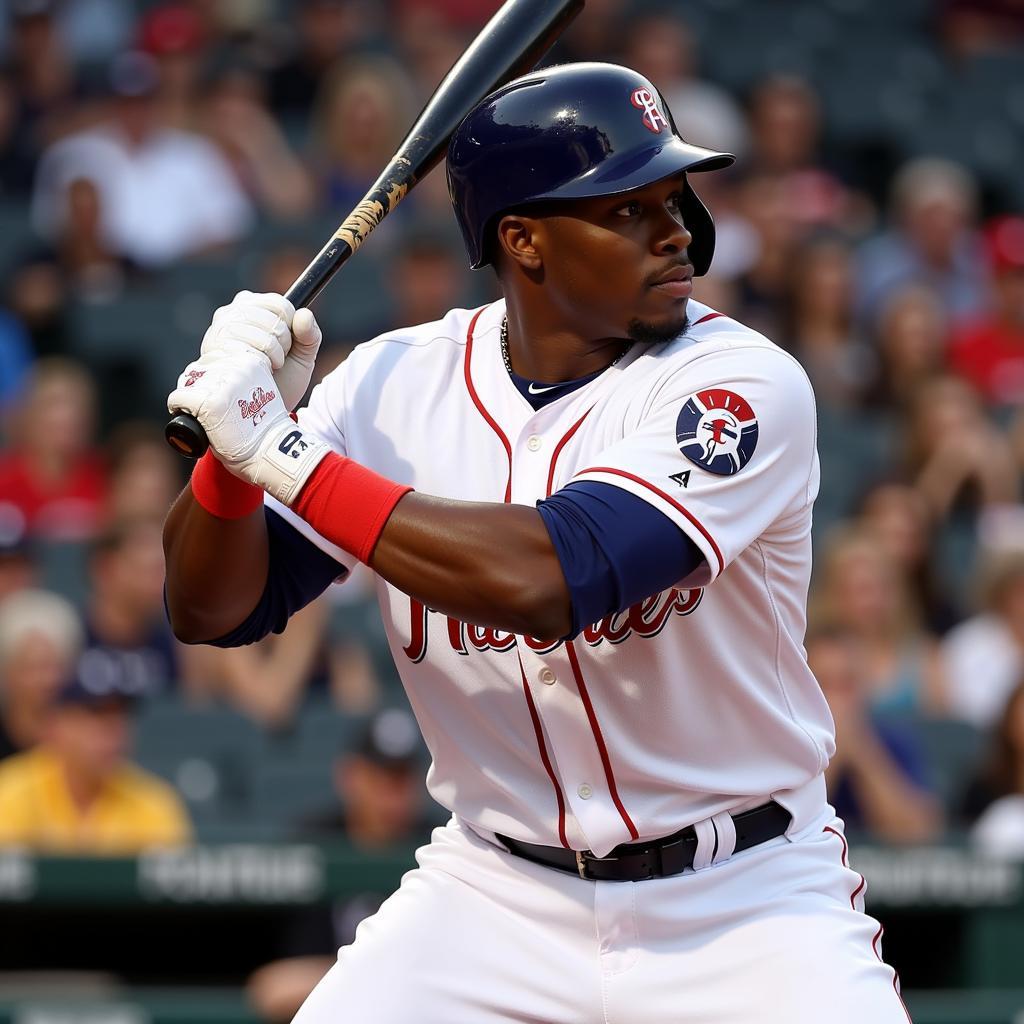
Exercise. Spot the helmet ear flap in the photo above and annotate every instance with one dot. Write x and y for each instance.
(701, 226)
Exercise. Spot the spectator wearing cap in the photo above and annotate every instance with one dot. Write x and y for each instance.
(988, 350)
(380, 788)
(40, 638)
(174, 35)
(77, 792)
(931, 240)
(164, 193)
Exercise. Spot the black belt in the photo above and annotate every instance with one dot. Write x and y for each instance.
(656, 858)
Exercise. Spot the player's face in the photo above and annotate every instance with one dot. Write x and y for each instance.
(620, 262)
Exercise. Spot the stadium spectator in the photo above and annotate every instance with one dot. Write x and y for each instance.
(972, 27)
(771, 238)
(910, 333)
(860, 590)
(124, 615)
(77, 792)
(897, 515)
(164, 193)
(994, 799)
(785, 143)
(40, 638)
(931, 240)
(877, 779)
(175, 36)
(17, 561)
(821, 331)
(18, 150)
(661, 46)
(984, 656)
(988, 350)
(381, 793)
(144, 473)
(362, 112)
(955, 455)
(15, 359)
(268, 680)
(52, 473)
(430, 278)
(235, 118)
(42, 70)
(428, 41)
(325, 30)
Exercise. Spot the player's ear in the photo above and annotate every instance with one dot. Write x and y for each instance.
(517, 240)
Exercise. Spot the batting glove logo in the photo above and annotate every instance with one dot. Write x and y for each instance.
(717, 430)
(254, 406)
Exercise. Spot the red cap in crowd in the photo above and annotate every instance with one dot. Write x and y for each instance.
(1004, 240)
(172, 28)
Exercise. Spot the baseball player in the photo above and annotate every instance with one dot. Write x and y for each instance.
(588, 509)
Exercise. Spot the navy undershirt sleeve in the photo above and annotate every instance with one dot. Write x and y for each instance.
(615, 548)
(298, 572)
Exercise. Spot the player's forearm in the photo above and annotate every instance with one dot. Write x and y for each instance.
(489, 564)
(216, 569)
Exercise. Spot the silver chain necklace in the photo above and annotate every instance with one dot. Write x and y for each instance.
(507, 359)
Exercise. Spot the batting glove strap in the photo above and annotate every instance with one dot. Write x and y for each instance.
(286, 459)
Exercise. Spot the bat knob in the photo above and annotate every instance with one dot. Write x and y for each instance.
(185, 435)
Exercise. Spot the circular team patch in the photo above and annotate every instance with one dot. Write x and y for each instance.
(717, 430)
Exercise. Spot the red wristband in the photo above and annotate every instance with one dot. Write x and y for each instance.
(222, 493)
(348, 504)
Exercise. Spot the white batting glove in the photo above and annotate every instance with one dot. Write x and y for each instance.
(268, 323)
(235, 398)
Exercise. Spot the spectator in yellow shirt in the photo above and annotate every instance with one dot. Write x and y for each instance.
(76, 792)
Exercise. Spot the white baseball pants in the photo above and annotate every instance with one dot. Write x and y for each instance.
(475, 935)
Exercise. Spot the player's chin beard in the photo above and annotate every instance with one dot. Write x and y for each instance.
(644, 333)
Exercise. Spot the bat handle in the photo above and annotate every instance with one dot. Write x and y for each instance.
(185, 434)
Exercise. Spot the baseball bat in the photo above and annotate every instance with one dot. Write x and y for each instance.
(510, 44)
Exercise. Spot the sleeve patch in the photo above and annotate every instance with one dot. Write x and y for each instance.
(717, 430)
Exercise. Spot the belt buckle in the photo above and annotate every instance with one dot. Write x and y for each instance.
(581, 864)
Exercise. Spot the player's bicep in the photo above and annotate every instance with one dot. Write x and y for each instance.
(298, 572)
(614, 549)
(728, 450)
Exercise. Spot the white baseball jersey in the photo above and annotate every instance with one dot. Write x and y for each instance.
(695, 701)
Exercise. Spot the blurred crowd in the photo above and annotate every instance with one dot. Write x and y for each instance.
(156, 156)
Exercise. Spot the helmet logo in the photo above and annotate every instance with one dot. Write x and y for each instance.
(654, 119)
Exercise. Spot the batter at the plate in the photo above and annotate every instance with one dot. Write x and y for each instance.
(588, 507)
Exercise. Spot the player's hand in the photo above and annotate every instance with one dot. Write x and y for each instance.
(269, 324)
(235, 398)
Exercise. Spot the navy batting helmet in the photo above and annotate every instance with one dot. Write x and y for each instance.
(574, 131)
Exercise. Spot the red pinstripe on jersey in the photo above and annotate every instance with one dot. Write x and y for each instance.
(706, 317)
(853, 903)
(531, 706)
(595, 728)
(661, 494)
(491, 422)
(561, 444)
(544, 757)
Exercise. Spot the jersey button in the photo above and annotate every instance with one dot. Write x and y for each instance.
(585, 792)
(547, 676)
(533, 442)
